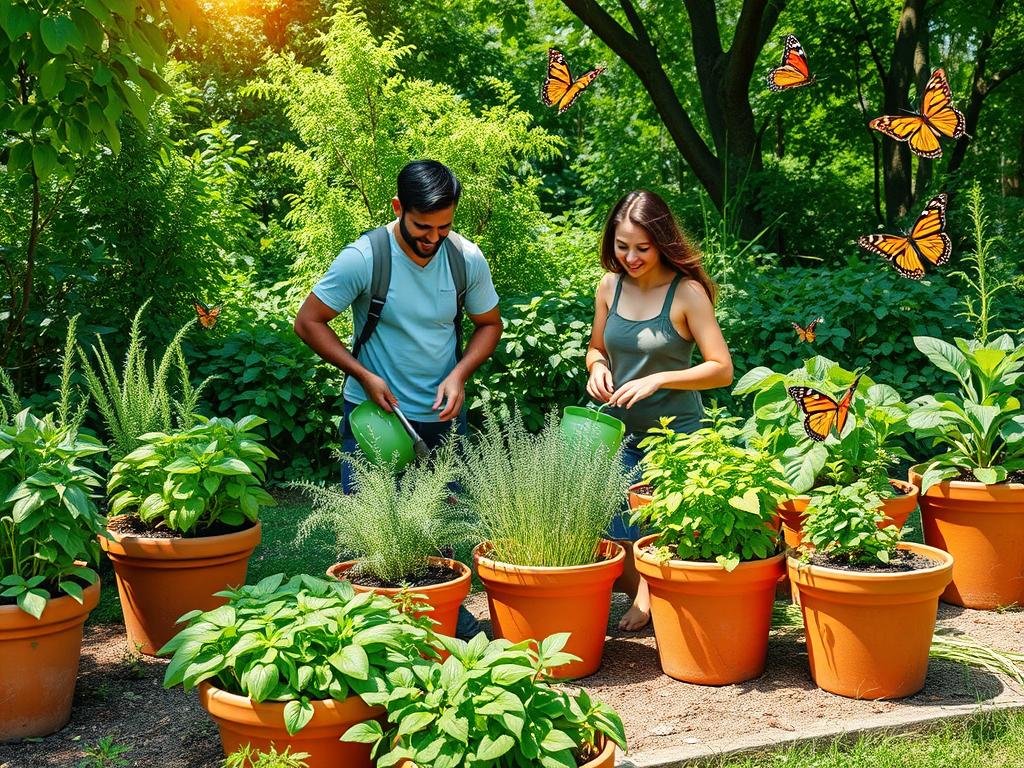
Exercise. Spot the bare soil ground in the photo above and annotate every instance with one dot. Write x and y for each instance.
(123, 697)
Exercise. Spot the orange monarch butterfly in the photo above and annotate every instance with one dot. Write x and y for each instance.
(808, 335)
(207, 315)
(821, 412)
(559, 87)
(926, 240)
(938, 117)
(794, 71)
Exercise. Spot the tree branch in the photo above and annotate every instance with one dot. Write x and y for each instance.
(876, 57)
(635, 22)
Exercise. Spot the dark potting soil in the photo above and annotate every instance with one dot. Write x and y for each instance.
(130, 525)
(902, 561)
(644, 490)
(435, 574)
(967, 476)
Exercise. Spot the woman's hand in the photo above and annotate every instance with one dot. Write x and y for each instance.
(634, 391)
(600, 385)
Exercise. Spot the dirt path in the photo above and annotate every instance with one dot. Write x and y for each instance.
(122, 698)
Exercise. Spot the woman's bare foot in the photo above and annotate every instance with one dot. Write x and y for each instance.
(639, 614)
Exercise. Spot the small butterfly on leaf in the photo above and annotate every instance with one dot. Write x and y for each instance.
(926, 241)
(937, 117)
(821, 412)
(207, 315)
(559, 86)
(808, 335)
(794, 72)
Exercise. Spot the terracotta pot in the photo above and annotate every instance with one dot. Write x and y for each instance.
(159, 580)
(532, 602)
(711, 625)
(444, 598)
(244, 721)
(39, 665)
(896, 508)
(868, 634)
(638, 499)
(982, 526)
(604, 759)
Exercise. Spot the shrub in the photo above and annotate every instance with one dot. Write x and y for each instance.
(842, 524)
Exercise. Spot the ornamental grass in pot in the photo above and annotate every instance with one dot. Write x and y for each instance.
(543, 504)
(972, 494)
(714, 561)
(184, 512)
(394, 531)
(49, 523)
(830, 426)
(490, 705)
(868, 600)
(296, 663)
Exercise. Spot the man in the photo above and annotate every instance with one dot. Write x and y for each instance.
(411, 357)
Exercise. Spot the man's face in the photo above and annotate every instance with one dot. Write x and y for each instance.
(424, 232)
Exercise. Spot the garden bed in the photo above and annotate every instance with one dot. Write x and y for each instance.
(665, 720)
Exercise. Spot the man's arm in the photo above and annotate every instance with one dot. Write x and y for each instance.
(311, 325)
(483, 342)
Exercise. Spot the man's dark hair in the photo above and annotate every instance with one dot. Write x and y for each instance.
(427, 185)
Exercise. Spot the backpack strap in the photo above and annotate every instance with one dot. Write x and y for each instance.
(380, 245)
(457, 266)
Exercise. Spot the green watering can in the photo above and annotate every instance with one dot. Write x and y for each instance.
(598, 431)
(386, 437)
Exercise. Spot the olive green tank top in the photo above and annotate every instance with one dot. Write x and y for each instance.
(638, 348)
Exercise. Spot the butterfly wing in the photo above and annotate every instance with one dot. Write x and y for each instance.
(937, 107)
(577, 88)
(207, 315)
(843, 409)
(896, 250)
(800, 332)
(820, 411)
(794, 71)
(912, 129)
(558, 79)
(929, 239)
(811, 335)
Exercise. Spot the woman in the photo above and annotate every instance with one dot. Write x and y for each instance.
(654, 304)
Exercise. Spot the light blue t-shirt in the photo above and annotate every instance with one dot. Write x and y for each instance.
(413, 347)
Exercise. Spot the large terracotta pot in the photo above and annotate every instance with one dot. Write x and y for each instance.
(532, 602)
(159, 580)
(39, 665)
(637, 499)
(982, 526)
(868, 634)
(896, 508)
(243, 721)
(711, 625)
(444, 598)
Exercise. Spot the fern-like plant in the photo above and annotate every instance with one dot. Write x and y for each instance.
(137, 400)
(391, 526)
(540, 499)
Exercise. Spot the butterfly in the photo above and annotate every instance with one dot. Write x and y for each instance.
(794, 71)
(808, 335)
(821, 412)
(926, 240)
(207, 315)
(938, 117)
(559, 87)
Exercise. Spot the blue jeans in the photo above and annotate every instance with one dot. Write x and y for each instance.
(433, 433)
(620, 529)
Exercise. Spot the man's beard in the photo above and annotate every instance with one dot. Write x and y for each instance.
(414, 243)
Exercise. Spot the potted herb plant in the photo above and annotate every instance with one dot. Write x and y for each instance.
(395, 530)
(184, 512)
(48, 528)
(972, 494)
(490, 704)
(830, 426)
(714, 561)
(868, 600)
(296, 663)
(543, 503)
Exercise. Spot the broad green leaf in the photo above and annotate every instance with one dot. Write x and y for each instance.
(944, 356)
(296, 715)
(368, 732)
(352, 661)
(492, 749)
(58, 33)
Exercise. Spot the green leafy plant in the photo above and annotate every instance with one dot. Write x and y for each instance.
(540, 500)
(48, 519)
(247, 757)
(842, 524)
(191, 480)
(390, 527)
(982, 425)
(868, 446)
(713, 499)
(488, 706)
(297, 641)
(106, 753)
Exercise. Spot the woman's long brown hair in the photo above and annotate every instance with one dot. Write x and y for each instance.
(648, 210)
